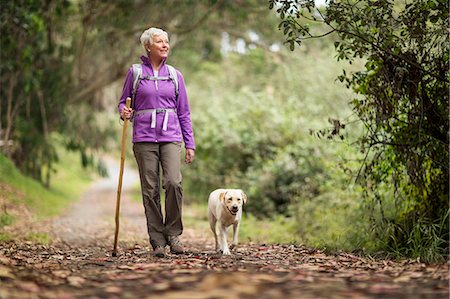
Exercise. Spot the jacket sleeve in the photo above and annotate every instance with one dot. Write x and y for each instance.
(184, 114)
(127, 89)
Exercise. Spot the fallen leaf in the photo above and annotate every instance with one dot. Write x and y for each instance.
(416, 274)
(185, 279)
(61, 273)
(384, 287)
(113, 290)
(160, 286)
(75, 281)
(29, 286)
(145, 266)
(6, 273)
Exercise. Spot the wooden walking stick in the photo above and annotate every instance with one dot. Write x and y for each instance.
(119, 187)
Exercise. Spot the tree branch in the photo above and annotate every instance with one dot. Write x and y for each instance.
(201, 21)
(317, 36)
(259, 44)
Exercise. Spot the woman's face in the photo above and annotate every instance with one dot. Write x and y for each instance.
(160, 47)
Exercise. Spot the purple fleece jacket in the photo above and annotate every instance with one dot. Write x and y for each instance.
(152, 95)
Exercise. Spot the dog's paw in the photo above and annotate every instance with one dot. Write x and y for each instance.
(226, 252)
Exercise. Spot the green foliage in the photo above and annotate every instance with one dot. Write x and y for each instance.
(33, 81)
(278, 229)
(331, 221)
(5, 220)
(252, 113)
(39, 238)
(252, 118)
(425, 240)
(5, 237)
(403, 105)
(294, 172)
(70, 181)
(58, 59)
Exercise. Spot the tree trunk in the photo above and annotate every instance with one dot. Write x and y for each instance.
(9, 116)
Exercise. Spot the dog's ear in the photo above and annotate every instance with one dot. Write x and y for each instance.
(222, 196)
(244, 197)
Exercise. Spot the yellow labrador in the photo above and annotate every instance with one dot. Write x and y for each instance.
(225, 207)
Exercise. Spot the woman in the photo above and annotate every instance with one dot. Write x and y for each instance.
(161, 121)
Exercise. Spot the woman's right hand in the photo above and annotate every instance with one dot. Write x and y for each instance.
(126, 112)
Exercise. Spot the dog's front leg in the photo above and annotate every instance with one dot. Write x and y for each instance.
(223, 240)
(235, 235)
(212, 224)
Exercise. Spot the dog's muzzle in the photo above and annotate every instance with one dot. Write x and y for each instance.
(234, 210)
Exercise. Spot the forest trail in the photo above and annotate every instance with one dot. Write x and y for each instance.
(78, 263)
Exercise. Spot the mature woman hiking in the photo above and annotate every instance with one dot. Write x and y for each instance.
(161, 122)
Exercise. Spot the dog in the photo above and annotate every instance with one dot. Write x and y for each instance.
(225, 207)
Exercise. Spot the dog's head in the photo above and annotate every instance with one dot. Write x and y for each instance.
(233, 200)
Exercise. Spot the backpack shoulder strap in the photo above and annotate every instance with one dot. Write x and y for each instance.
(174, 77)
(137, 74)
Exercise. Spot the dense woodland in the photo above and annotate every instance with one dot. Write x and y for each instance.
(333, 118)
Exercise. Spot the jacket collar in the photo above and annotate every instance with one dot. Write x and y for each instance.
(146, 61)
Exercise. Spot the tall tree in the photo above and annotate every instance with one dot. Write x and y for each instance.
(32, 82)
(57, 57)
(403, 103)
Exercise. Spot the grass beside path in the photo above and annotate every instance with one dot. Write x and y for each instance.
(280, 230)
(22, 197)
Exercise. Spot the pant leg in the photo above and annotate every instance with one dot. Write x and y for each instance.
(147, 157)
(171, 162)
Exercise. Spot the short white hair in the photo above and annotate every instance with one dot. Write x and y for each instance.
(148, 35)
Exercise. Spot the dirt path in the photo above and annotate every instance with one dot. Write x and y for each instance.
(78, 264)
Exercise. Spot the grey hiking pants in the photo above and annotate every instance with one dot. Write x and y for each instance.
(149, 156)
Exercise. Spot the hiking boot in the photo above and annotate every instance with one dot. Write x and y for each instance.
(158, 251)
(175, 245)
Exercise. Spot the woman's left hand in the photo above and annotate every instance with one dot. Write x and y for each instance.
(190, 154)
